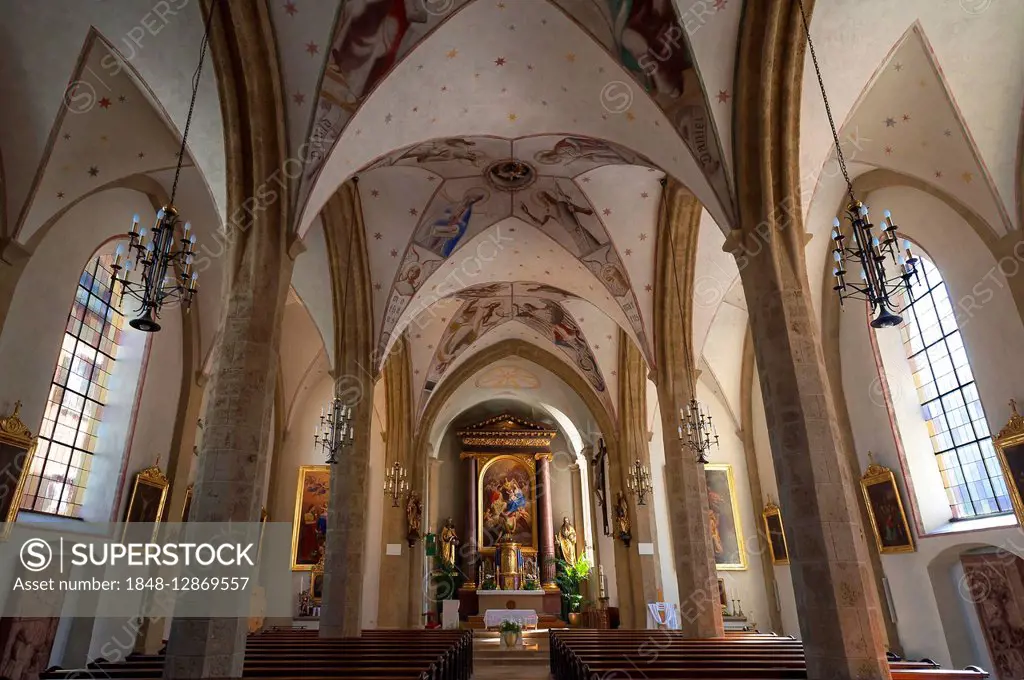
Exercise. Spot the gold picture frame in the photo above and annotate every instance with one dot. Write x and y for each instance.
(309, 475)
(316, 582)
(734, 555)
(775, 534)
(264, 517)
(187, 505)
(16, 442)
(148, 498)
(527, 461)
(1009, 446)
(885, 510)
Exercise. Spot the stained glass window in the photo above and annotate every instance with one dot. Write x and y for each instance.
(78, 395)
(949, 399)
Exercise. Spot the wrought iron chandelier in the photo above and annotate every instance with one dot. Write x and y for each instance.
(335, 431)
(639, 482)
(876, 284)
(156, 267)
(396, 483)
(696, 430)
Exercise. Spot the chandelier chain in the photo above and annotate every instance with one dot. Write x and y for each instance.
(824, 98)
(192, 103)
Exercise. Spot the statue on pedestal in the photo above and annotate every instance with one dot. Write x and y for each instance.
(622, 519)
(567, 541)
(414, 515)
(449, 539)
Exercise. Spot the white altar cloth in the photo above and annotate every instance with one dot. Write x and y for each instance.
(524, 617)
(662, 615)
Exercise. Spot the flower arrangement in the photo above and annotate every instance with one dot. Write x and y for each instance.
(507, 626)
(531, 584)
(489, 583)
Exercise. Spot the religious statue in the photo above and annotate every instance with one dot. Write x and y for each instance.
(414, 516)
(622, 518)
(567, 541)
(449, 539)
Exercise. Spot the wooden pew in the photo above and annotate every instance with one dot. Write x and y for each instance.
(381, 655)
(653, 654)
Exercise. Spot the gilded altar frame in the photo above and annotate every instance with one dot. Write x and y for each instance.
(1009, 446)
(879, 474)
(16, 441)
(486, 460)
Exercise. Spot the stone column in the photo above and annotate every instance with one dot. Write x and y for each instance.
(625, 584)
(679, 223)
(577, 509)
(433, 523)
(547, 534)
(840, 618)
(355, 376)
(234, 450)
(633, 428)
(392, 598)
(469, 563)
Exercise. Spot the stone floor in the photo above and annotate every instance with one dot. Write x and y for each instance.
(491, 662)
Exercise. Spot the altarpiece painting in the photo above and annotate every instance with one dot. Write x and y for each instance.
(309, 529)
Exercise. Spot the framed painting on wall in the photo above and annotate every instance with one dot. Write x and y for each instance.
(187, 507)
(885, 509)
(775, 533)
(724, 518)
(1009, 445)
(17, 446)
(149, 494)
(507, 492)
(309, 529)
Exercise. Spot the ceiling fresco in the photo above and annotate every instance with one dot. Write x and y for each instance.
(644, 37)
(482, 181)
(535, 305)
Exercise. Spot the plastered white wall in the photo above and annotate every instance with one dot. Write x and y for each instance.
(931, 618)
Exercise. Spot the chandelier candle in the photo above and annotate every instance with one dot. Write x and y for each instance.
(877, 286)
(335, 431)
(158, 269)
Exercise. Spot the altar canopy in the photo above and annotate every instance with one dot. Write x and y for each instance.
(511, 543)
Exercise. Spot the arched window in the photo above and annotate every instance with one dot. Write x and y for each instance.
(949, 400)
(78, 394)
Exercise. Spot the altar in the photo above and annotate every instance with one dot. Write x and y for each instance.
(532, 600)
(509, 556)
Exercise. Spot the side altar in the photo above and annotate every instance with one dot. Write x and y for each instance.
(509, 559)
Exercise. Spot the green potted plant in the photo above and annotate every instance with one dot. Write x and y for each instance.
(511, 632)
(569, 578)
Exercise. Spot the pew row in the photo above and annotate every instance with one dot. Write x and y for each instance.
(654, 654)
(300, 653)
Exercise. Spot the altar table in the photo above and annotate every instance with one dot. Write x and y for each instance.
(511, 599)
(524, 617)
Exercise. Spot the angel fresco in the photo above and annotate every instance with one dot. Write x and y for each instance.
(650, 44)
(568, 150)
(446, 231)
(472, 322)
(564, 211)
(367, 46)
(451, 149)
